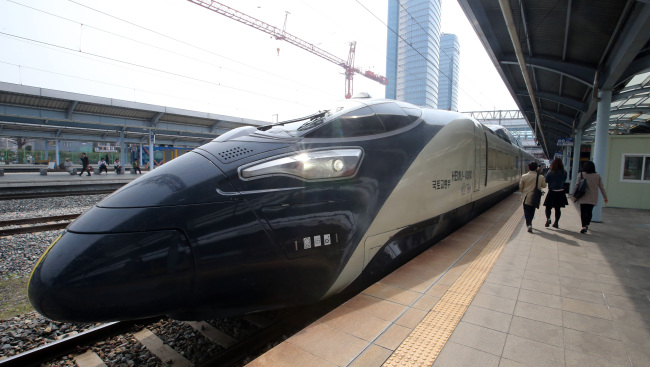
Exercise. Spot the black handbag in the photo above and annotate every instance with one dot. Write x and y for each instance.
(537, 194)
(582, 187)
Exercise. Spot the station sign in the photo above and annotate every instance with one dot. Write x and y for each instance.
(564, 142)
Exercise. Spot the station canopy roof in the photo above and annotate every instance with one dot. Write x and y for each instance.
(49, 114)
(568, 51)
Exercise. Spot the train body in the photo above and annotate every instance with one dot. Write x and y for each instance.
(277, 216)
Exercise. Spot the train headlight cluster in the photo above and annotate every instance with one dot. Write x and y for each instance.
(311, 165)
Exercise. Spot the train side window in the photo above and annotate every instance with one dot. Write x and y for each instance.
(360, 122)
(492, 159)
(413, 113)
(391, 115)
(502, 134)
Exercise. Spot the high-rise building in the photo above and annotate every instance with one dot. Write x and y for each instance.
(448, 73)
(413, 51)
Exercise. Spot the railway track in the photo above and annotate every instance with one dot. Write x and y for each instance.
(31, 225)
(49, 194)
(267, 330)
(68, 345)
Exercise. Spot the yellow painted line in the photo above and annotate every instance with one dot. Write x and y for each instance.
(47, 250)
(422, 346)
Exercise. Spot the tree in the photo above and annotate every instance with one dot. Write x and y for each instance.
(20, 143)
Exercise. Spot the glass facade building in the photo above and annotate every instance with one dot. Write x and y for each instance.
(413, 51)
(448, 75)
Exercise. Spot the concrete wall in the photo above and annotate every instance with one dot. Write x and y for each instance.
(622, 193)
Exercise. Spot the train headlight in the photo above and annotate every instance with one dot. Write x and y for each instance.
(338, 165)
(311, 165)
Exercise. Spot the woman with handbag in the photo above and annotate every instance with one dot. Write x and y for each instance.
(527, 185)
(556, 198)
(590, 197)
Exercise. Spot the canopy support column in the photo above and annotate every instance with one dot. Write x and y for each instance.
(600, 145)
(577, 142)
(152, 137)
(56, 155)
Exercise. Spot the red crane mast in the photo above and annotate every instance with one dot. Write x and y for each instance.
(280, 34)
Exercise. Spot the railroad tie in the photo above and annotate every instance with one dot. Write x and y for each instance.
(156, 346)
(213, 334)
(89, 359)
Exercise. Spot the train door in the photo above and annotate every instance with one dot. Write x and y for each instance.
(480, 158)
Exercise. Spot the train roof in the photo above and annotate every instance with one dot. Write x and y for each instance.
(504, 134)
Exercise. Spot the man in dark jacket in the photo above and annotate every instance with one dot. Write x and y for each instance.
(84, 164)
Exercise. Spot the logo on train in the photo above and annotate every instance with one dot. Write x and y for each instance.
(444, 184)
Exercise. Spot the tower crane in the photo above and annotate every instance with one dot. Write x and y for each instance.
(281, 35)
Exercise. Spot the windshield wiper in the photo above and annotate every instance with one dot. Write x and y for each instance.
(310, 117)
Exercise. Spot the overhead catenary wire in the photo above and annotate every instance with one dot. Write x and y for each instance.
(281, 78)
(341, 25)
(146, 67)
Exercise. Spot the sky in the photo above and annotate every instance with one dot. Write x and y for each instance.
(177, 54)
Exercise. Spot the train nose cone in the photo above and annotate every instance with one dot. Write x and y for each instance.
(105, 277)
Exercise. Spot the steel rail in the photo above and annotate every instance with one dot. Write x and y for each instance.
(50, 351)
(54, 218)
(33, 229)
(63, 222)
(37, 195)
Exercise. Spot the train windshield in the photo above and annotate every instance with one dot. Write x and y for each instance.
(339, 108)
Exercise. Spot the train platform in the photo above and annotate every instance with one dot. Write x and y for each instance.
(492, 294)
(35, 179)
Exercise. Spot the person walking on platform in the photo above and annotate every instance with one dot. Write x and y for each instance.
(102, 166)
(84, 164)
(590, 197)
(556, 198)
(526, 187)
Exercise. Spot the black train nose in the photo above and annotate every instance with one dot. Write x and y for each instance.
(118, 276)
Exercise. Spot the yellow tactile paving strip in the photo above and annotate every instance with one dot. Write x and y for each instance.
(422, 346)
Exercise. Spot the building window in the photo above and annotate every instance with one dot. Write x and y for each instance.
(635, 168)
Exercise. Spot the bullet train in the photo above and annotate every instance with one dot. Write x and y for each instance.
(276, 216)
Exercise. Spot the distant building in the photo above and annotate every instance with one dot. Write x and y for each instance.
(448, 73)
(413, 51)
